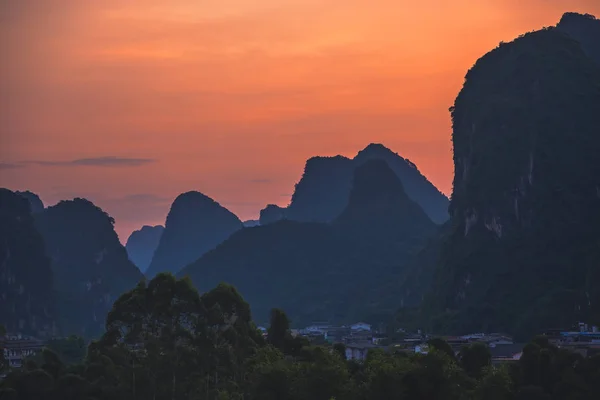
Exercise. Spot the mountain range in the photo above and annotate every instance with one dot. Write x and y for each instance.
(323, 191)
(321, 270)
(516, 249)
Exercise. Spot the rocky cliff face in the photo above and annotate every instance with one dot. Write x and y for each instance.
(323, 191)
(526, 201)
(91, 267)
(324, 271)
(141, 245)
(195, 224)
(26, 298)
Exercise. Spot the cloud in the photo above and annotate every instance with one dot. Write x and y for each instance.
(108, 161)
(4, 165)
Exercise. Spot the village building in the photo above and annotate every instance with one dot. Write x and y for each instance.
(18, 347)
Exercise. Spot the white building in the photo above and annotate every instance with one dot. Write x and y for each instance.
(17, 348)
(358, 351)
(361, 326)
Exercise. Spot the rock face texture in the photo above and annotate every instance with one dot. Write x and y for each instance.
(324, 189)
(26, 292)
(521, 252)
(141, 245)
(195, 224)
(319, 271)
(91, 268)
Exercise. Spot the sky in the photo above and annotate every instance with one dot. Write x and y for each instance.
(129, 103)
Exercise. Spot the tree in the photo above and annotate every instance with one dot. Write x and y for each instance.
(340, 348)
(495, 384)
(279, 329)
(442, 346)
(474, 358)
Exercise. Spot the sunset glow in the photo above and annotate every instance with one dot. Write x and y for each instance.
(230, 97)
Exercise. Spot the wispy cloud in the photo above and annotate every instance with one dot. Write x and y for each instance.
(5, 165)
(107, 161)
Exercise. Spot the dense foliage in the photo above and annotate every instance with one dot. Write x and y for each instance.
(195, 224)
(26, 278)
(325, 271)
(164, 341)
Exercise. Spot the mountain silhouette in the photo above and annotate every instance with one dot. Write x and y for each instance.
(522, 252)
(251, 223)
(27, 302)
(319, 270)
(585, 29)
(35, 202)
(91, 268)
(272, 213)
(195, 224)
(322, 192)
(141, 245)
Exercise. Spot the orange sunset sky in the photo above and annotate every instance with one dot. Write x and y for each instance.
(129, 103)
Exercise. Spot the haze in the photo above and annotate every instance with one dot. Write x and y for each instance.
(129, 103)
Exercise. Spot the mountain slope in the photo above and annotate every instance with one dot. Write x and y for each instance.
(27, 303)
(35, 202)
(523, 251)
(90, 266)
(321, 271)
(585, 29)
(322, 192)
(141, 245)
(417, 187)
(195, 224)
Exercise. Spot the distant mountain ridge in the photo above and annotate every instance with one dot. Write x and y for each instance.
(141, 245)
(319, 270)
(195, 224)
(322, 192)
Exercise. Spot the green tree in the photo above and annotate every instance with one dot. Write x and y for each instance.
(442, 346)
(474, 358)
(495, 384)
(279, 329)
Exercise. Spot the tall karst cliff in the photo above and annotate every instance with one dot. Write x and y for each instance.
(91, 267)
(26, 296)
(195, 224)
(522, 248)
